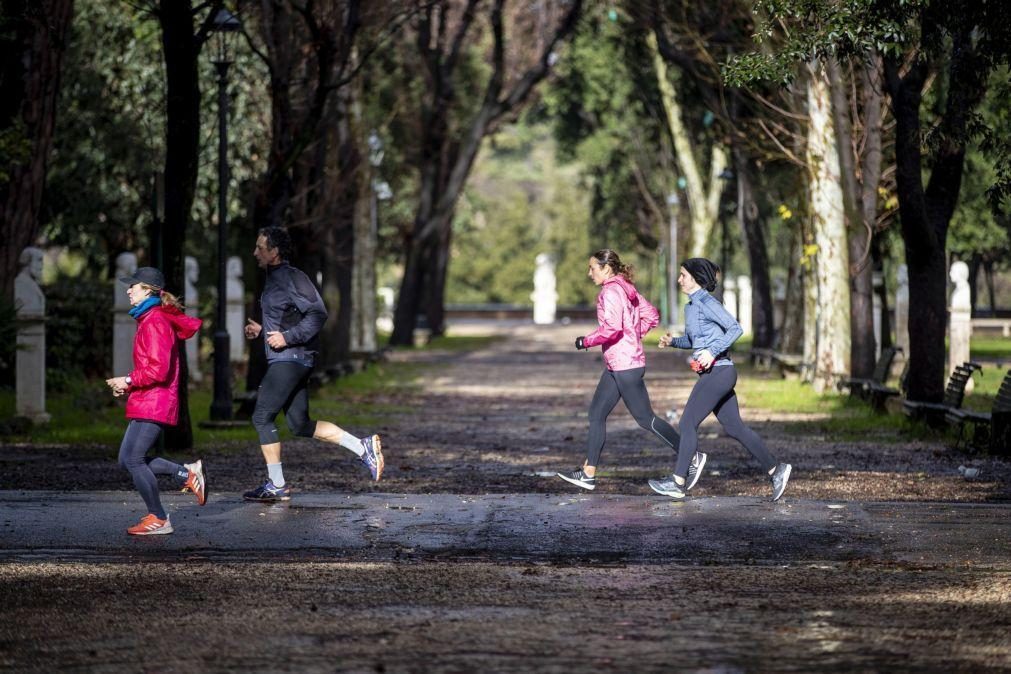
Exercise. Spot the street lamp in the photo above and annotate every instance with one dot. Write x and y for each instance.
(225, 27)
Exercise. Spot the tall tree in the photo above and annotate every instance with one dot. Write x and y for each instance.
(32, 45)
(448, 149)
(958, 43)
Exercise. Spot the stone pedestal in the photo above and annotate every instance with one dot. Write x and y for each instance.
(192, 302)
(960, 319)
(545, 297)
(235, 310)
(384, 322)
(744, 304)
(124, 327)
(30, 368)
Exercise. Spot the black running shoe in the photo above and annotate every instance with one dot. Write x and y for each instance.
(580, 479)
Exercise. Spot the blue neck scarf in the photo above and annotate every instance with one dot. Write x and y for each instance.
(144, 307)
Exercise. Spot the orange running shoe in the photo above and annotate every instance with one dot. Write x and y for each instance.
(151, 525)
(196, 482)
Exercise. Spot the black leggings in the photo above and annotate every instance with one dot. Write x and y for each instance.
(139, 439)
(627, 385)
(284, 387)
(714, 392)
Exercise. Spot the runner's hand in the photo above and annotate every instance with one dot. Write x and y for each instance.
(276, 341)
(252, 329)
(705, 358)
(665, 340)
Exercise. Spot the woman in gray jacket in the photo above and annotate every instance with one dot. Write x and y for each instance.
(709, 332)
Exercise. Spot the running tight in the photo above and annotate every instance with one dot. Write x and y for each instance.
(284, 387)
(626, 385)
(714, 392)
(139, 439)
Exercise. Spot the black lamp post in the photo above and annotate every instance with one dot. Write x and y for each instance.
(225, 28)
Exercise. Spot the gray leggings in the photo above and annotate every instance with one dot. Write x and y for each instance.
(627, 385)
(714, 392)
(139, 439)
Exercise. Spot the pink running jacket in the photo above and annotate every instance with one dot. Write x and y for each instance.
(624, 317)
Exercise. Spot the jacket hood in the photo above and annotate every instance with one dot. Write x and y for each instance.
(626, 285)
(184, 326)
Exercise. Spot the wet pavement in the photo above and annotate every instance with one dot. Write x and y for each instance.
(582, 528)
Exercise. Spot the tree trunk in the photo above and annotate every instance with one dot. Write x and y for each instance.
(181, 47)
(861, 305)
(31, 60)
(762, 310)
(829, 225)
(791, 332)
(365, 240)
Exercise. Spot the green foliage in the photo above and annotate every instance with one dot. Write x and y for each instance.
(518, 204)
(109, 133)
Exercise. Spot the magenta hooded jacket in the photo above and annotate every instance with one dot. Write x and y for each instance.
(154, 387)
(624, 317)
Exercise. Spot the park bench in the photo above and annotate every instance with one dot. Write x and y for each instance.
(879, 394)
(989, 429)
(762, 358)
(954, 394)
(858, 386)
(791, 365)
(1002, 324)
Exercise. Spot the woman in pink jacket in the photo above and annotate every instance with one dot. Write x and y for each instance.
(153, 390)
(624, 317)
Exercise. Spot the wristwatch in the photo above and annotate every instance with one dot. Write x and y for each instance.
(129, 382)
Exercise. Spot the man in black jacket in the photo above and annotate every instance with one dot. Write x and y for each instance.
(293, 314)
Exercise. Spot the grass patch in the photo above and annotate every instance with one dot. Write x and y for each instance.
(842, 417)
(990, 347)
(87, 414)
(449, 342)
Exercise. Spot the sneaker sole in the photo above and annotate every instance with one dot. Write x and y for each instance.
(663, 492)
(272, 499)
(157, 532)
(698, 471)
(786, 479)
(377, 446)
(582, 485)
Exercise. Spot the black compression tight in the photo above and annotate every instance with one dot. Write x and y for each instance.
(137, 442)
(714, 392)
(629, 386)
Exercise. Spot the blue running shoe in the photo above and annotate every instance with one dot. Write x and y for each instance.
(268, 493)
(372, 456)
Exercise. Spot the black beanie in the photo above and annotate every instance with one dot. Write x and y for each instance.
(703, 271)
